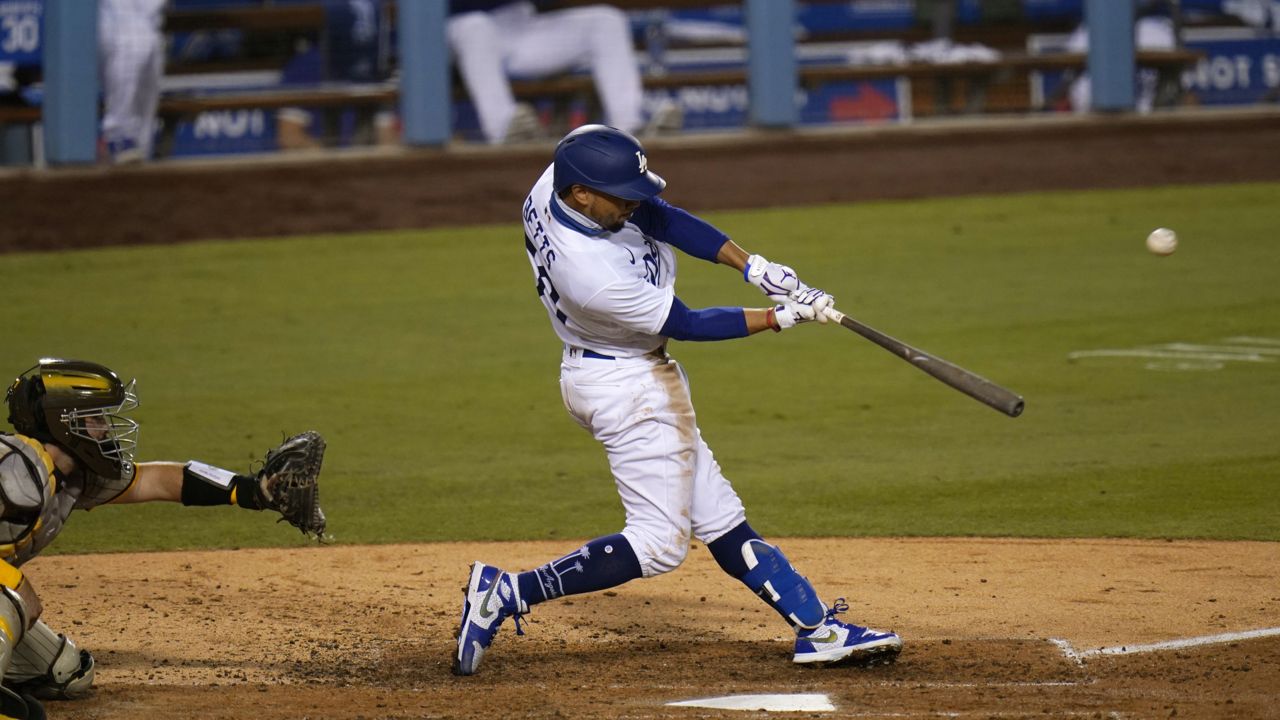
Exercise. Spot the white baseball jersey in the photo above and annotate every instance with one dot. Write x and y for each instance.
(610, 293)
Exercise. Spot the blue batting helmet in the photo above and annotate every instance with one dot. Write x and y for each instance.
(605, 159)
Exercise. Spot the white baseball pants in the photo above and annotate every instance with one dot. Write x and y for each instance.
(671, 486)
(131, 45)
(517, 41)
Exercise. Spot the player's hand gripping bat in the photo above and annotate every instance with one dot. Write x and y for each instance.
(976, 387)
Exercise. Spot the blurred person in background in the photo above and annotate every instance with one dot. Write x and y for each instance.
(131, 47)
(1258, 13)
(354, 50)
(496, 40)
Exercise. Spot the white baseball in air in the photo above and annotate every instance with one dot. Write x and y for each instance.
(1162, 241)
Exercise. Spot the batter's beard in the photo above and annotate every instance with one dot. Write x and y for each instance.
(616, 226)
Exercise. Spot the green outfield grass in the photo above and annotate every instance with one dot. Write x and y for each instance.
(426, 361)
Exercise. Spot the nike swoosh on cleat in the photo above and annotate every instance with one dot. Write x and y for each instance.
(485, 613)
(831, 636)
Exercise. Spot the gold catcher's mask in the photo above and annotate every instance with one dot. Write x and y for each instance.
(81, 407)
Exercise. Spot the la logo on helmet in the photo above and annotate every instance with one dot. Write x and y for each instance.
(644, 162)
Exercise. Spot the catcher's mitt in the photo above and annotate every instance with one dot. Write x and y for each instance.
(287, 483)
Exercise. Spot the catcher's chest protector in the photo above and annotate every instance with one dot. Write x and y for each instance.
(31, 512)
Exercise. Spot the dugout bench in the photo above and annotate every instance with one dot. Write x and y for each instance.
(975, 78)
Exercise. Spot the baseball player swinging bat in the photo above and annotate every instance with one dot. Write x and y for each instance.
(974, 386)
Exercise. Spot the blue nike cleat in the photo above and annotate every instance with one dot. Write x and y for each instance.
(835, 641)
(490, 597)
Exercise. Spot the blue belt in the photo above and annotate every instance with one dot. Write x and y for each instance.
(593, 354)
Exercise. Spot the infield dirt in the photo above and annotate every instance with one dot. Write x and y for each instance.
(367, 632)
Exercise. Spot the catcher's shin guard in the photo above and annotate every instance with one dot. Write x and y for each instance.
(49, 665)
(13, 622)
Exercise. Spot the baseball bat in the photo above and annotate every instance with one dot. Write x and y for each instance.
(975, 386)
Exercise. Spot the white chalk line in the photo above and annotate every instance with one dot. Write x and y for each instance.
(769, 702)
(974, 714)
(1234, 349)
(1243, 356)
(1250, 340)
(1011, 684)
(1194, 356)
(1079, 656)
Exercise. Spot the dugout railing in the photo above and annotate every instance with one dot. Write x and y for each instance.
(307, 19)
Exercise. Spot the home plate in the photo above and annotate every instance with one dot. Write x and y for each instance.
(812, 702)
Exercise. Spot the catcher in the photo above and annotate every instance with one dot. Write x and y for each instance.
(73, 448)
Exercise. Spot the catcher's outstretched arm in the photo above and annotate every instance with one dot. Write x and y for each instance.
(287, 483)
(155, 482)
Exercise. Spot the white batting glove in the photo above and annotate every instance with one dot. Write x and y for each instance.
(816, 299)
(790, 314)
(776, 281)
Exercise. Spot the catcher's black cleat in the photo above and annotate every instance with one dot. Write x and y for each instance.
(20, 706)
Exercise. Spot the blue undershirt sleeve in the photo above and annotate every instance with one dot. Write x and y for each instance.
(662, 221)
(714, 323)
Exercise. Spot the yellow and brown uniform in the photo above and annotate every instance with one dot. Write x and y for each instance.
(35, 501)
(35, 504)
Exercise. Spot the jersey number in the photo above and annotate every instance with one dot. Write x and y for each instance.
(21, 33)
(546, 289)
